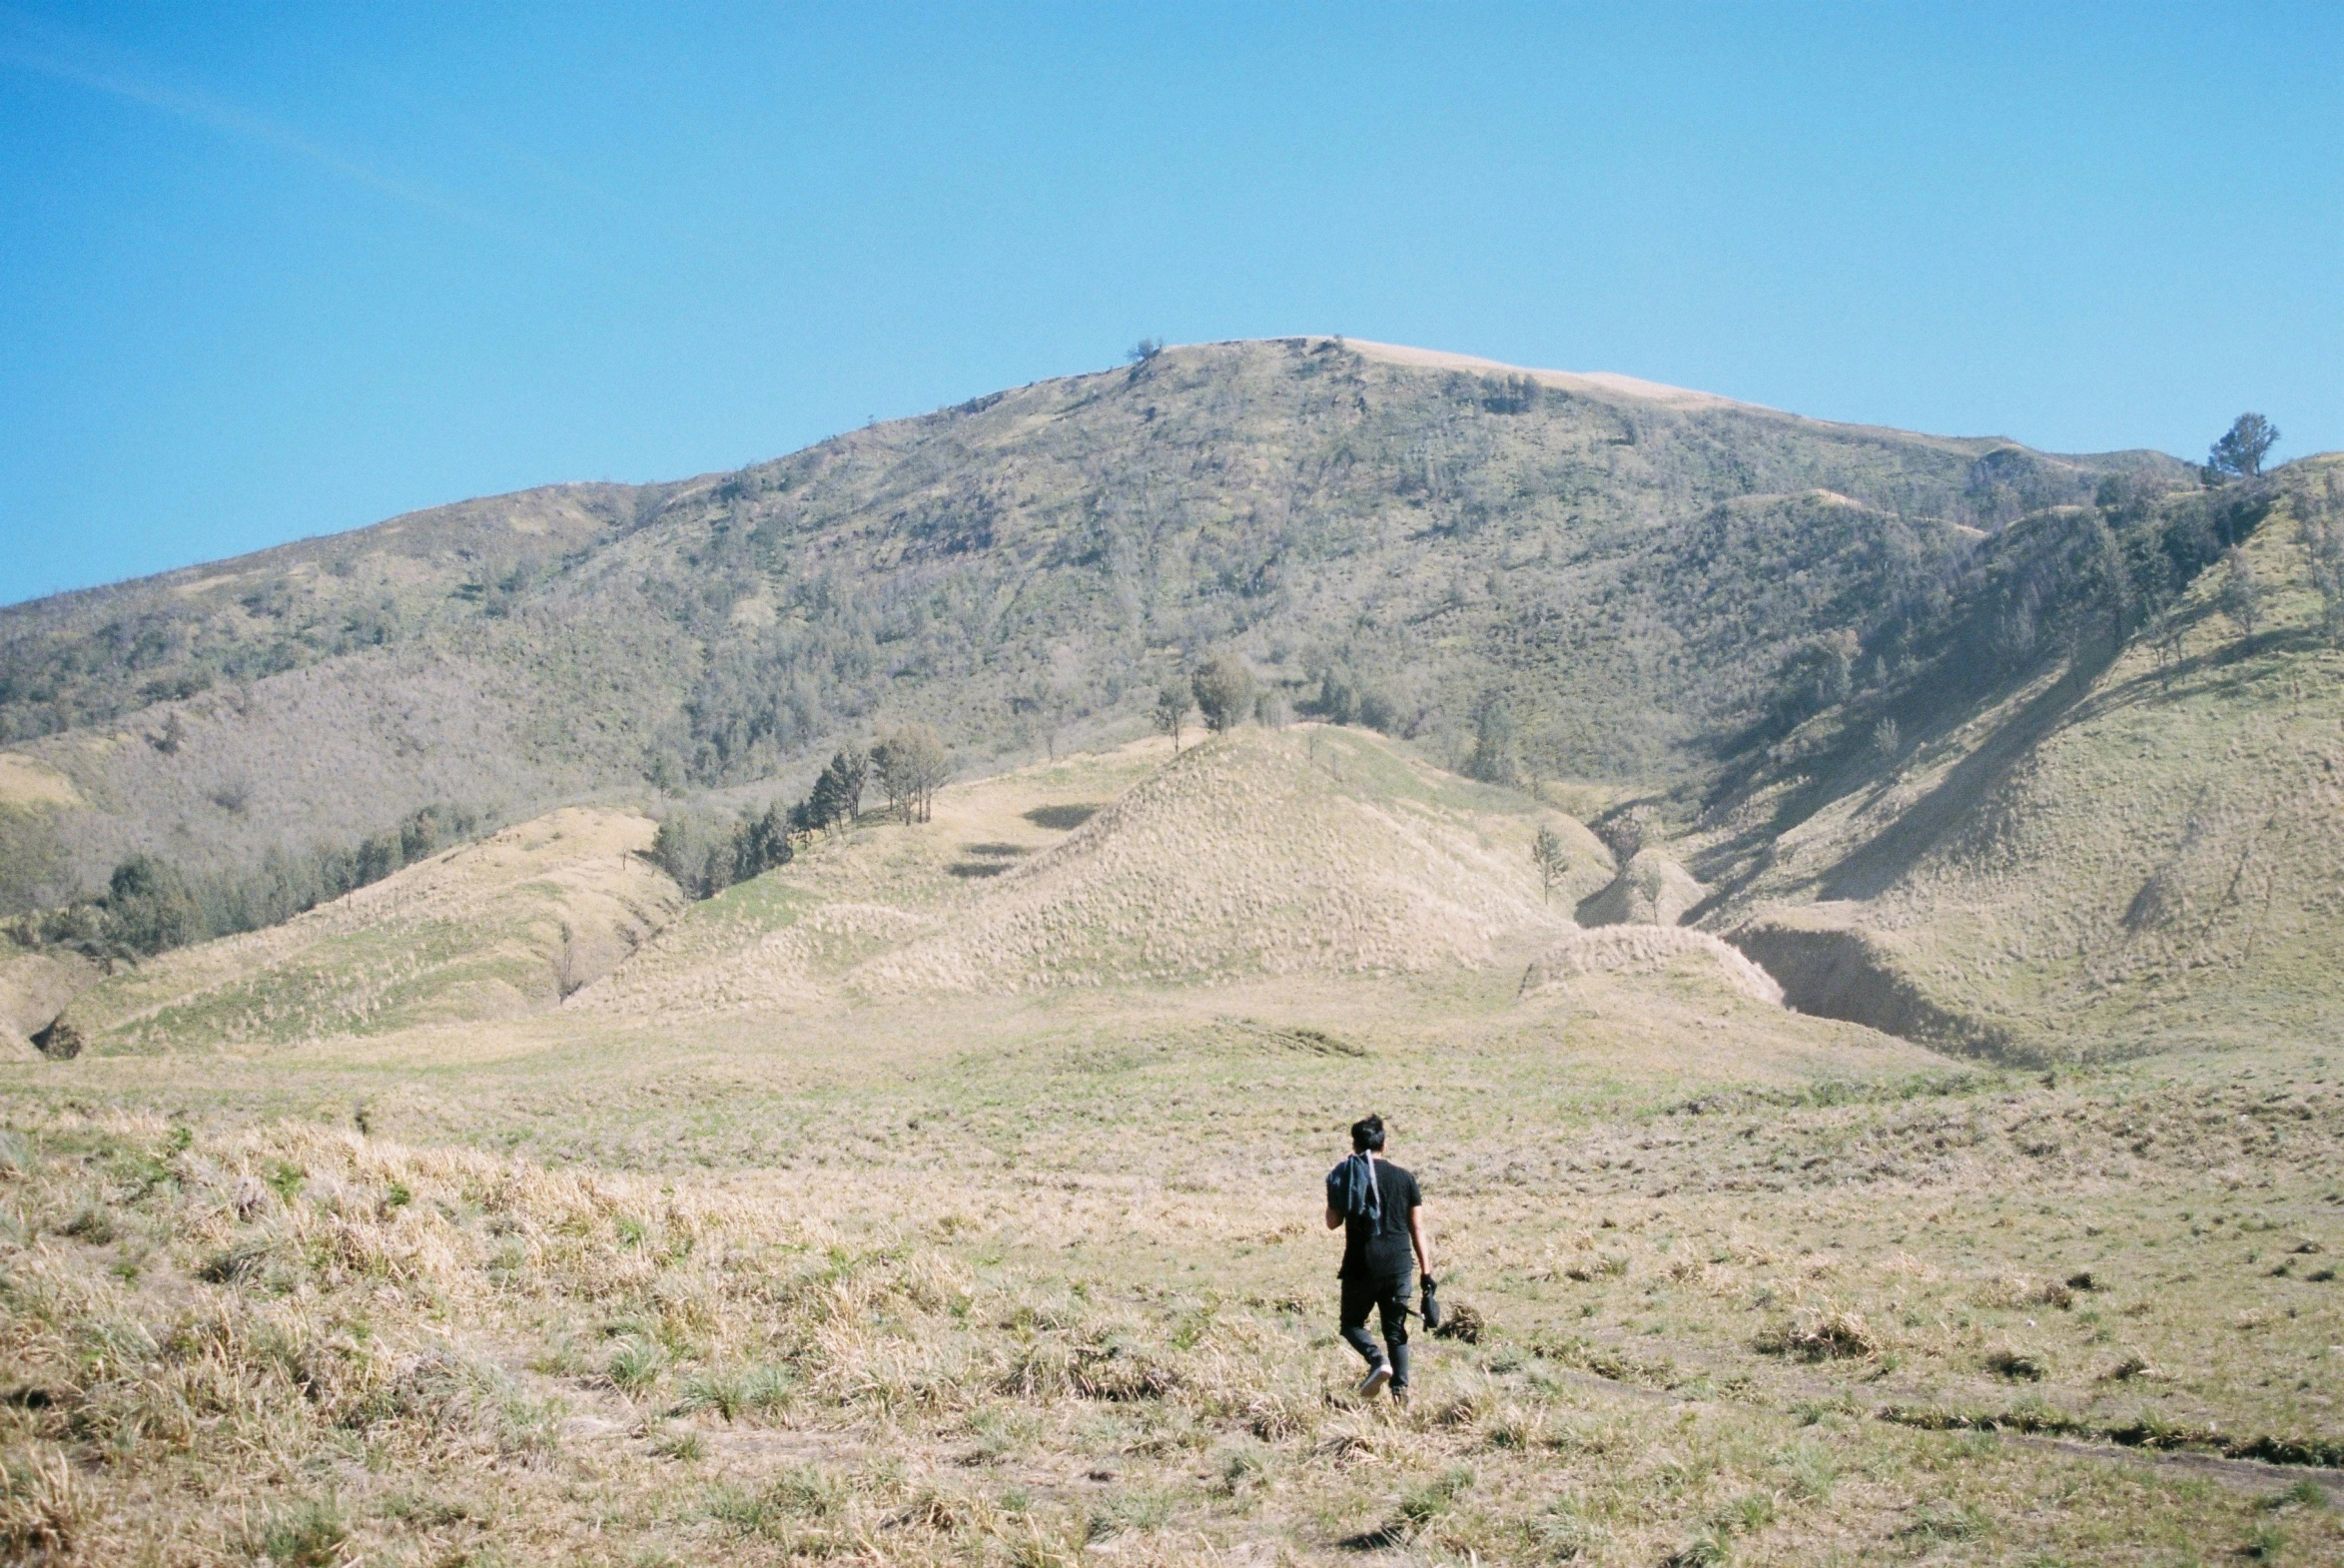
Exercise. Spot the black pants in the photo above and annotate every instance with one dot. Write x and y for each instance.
(1389, 1295)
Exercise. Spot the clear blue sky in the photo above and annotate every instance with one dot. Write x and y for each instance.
(280, 271)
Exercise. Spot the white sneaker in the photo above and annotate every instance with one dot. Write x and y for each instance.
(1373, 1384)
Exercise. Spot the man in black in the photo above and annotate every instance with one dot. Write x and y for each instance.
(1381, 1212)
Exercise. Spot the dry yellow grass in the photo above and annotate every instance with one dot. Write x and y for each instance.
(1644, 949)
(491, 929)
(1651, 890)
(1255, 852)
(703, 1267)
(2147, 857)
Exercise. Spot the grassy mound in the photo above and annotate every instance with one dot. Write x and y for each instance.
(1645, 950)
(1319, 851)
(496, 928)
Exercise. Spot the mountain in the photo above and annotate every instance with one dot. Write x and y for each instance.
(1623, 568)
(2015, 753)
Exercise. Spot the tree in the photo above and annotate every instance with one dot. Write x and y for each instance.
(1493, 760)
(1337, 701)
(2242, 592)
(1224, 692)
(1886, 739)
(1546, 853)
(1172, 709)
(1144, 350)
(761, 843)
(150, 906)
(2239, 452)
(837, 797)
(910, 767)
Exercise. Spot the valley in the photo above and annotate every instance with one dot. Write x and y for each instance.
(1842, 923)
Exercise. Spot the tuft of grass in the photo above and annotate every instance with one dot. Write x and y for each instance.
(1427, 1502)
(2013, 1362)
(1827, 1335)
(44, 1506)
(309, 1534)
(678, 1443)
(635, 1364)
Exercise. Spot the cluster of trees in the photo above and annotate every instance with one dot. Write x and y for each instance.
(151, 905)
(1224, 693)
(707, 854)
(1342, 699)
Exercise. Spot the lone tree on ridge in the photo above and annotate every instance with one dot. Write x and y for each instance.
(2239, 454)
(1171, 711)
(1546, 853)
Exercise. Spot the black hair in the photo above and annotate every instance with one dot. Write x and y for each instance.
(1367, 1133)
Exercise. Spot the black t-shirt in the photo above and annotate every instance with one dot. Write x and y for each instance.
(1379, 1248)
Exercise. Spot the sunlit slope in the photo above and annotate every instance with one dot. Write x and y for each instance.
(1311, 850)
(1316, 851)
(2138, 855)
(494, 930)
(790, 935)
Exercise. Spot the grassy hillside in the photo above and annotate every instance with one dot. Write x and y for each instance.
(1606, 576)
(505, 927)
(950, 1194)
(1309, 851)
(2136, 843)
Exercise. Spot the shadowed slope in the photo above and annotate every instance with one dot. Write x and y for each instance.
(2141, 847)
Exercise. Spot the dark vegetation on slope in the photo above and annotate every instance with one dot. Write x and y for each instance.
(151, 905)
(2069, 585)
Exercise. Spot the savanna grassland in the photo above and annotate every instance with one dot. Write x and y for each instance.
(837, 1261)
(1044, 1281)
(1843, 922)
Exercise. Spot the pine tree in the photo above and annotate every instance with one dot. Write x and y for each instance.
(1546, 853)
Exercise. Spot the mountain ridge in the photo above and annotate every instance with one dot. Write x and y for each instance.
(1800, 663)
